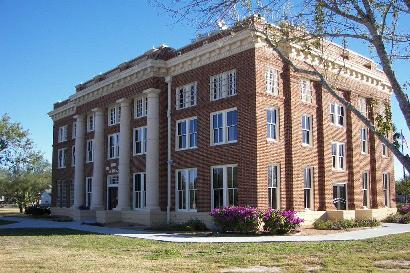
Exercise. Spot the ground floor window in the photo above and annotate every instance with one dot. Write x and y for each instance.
(186, 187)
(88, 187)
(59, 194)
(340, 196)
(224, 186)
(273, 186)
(139, 191)
(386, 189)
(365, 185)
(307, 187)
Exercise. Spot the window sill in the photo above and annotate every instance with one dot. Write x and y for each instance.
(271, 140)
(224, 143)
(186, 149)
(364, 154)
(186, 210)
(338, 170)
(139, 154)
(307, 145)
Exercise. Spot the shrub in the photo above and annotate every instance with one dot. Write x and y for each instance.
(344, 224)
(37, 211)
(190, 225)
(404, 209)
(280, 222)
(237, 219)
(398, 218)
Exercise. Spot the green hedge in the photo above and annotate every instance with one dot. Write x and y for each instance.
(344, 224)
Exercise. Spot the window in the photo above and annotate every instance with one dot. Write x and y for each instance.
(223, 85)
(364, 143)
(224, 127)
(90, 151)
(73, 156)
(62, 133)
(186, 96)
(140, 140)
(272, 81)
(273, 186)
(307, 187)
(139, 191)
(306, 91)
(114, 115)
(62, 155)
(338, 156)
(186, 187)
(386, 189)
(88, 187)
(272, 123)
(113, 146)
(90, 123)
(74, 130)
(337, 114)
(140, 107)
(306, 129)
(224, 186)
(363, 106)
(186, 137)
(112, 180)
(365, 185)
(384, 150)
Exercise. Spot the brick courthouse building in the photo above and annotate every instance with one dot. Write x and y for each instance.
(222, 121)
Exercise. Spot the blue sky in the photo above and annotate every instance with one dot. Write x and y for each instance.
(47, 47)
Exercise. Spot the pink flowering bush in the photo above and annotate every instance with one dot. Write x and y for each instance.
(237, 219)
(404, 209)
(280, 222)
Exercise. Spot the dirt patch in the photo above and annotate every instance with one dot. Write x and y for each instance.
(253, 269)
(393, 264)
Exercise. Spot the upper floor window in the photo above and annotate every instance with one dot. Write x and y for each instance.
(223, 85)
(363, 106)
(140, 140)
(114, 115)
(187, 131)
(113, 146)
(90, 122)
(273, 186)
(337, 114)
(74, 130)
(140, 107)
(306, 91)
(384, 150)
(62, 133)
(272, 81)
(61, 158)
(224, 127)
(186, 187)
(224, 186)
(338, 156)
(90, 151)
(364, 140)
(139, 191)
(73, 156)
(186, 96)
(306, 129)
(307, 187)
(272, 123)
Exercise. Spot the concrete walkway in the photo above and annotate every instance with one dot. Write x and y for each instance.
(385, 229)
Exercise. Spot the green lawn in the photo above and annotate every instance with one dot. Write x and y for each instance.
(72, 251)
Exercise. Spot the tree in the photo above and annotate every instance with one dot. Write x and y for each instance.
(311, 23)
(403, 187)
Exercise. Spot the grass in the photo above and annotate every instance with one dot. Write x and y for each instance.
(60, 250)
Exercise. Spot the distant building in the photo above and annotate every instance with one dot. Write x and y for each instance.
(45, 198)
(244, 130)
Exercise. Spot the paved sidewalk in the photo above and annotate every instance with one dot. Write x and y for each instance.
(385, 229)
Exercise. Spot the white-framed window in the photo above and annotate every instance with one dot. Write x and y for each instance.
(187, 134)
(186, 96)
(272, 81)
(274, 186)
(90, 122)
(140, 140)
(224, 127)
(140, 107)
(272, 119)
(88, 191)
(365, 186)
(386, 189)
(186, 188)
(384, 150)
(114, 115)
(362, 106)
(74, 130)
(306, 130)
(62, 133)
(364, 140)
(61, 158)
(139, 193)
(223, 85)
(73, 156)
(90, 151)
(308, 187)
(113, 146)
(224, 186)
(112, 180)
(306, 91)
(337, 114)
(338, 156)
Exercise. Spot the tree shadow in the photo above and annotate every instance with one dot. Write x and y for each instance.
(42, 232)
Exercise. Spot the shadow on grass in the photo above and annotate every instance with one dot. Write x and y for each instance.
(6, 222)
(41, 232)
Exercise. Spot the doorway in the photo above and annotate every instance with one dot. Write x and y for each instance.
(112, 192)
(339, 196)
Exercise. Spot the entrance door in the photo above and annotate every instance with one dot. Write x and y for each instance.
(112, 198)
(339, 196)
